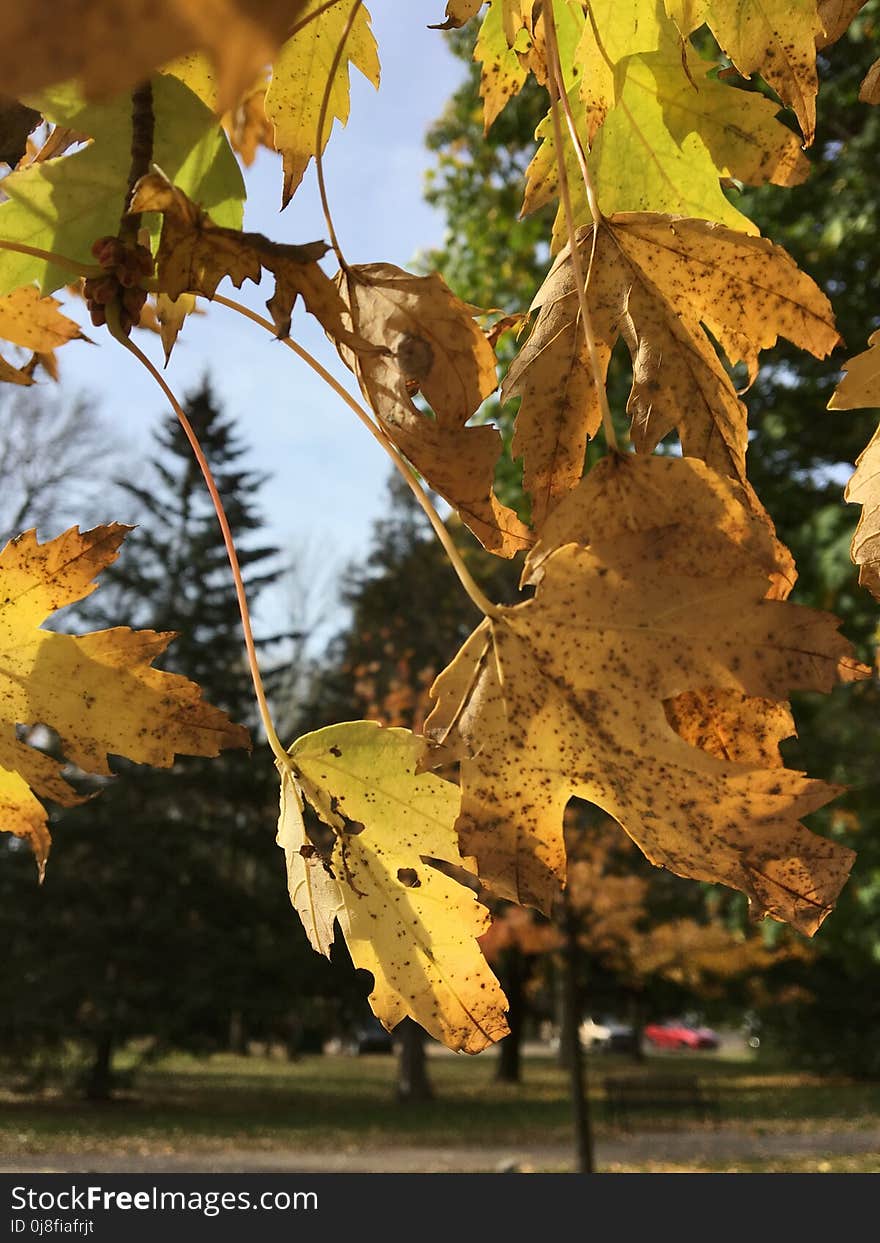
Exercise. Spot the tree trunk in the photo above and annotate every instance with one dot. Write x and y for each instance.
(567, 1018)
(413, 1084)
(570, 1045)
(237, 1037)
(99, 1084)
(637, 1020)
(513, 978)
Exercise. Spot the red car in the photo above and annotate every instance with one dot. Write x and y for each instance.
(676, 1034)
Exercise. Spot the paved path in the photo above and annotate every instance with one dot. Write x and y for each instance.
(671, 1147)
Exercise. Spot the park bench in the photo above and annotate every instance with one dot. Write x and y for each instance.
(627, 1096)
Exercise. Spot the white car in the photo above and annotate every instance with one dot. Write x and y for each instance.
(594, 1035)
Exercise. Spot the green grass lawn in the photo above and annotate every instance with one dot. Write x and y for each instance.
(185, 1104)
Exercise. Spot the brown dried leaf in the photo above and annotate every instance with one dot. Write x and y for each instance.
(658, 281)
(195, 254)
(869, 91)
(836, 17)
(565, 696)
(693, 503)
(425, 340)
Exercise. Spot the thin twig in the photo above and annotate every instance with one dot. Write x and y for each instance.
(262, 703)
(305, 21)
(378, 433)
(59, 261)
(557, 86)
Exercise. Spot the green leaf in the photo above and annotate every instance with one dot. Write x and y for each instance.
(740, 128)
(65, 204)
(636, 163)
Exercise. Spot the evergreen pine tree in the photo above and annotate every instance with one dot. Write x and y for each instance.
(164, 913)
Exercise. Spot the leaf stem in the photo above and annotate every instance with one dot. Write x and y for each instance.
(59, 261)
(319, 137)
(376, 430)
(580, 154)
(557, 87)
(262, 703)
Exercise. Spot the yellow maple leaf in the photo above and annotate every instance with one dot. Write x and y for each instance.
(775, 38)
(97, 691)
(565, 695)
(425, 339)
(405, 921)
(503, 65)
(860, 386)
(657, 281)
(300, 77)
(110, 47)
(33, 323)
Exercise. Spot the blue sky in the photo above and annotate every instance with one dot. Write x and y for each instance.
(328, 477)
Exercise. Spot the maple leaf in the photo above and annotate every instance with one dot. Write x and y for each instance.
(740, 128)
(299, 79)
(635, 163)
(33, 323)
(246, 124)
(836, 17)
(564, 695)
(869, 91)
(195, 254)
(111, 47)
(776, 38)
(405, 921)
(504, 67)
(425, 339)
(860, 386)
(458, 12)
(65, 204)
(97, 691)
(658, 281)
(614, 31)
(673, 498)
